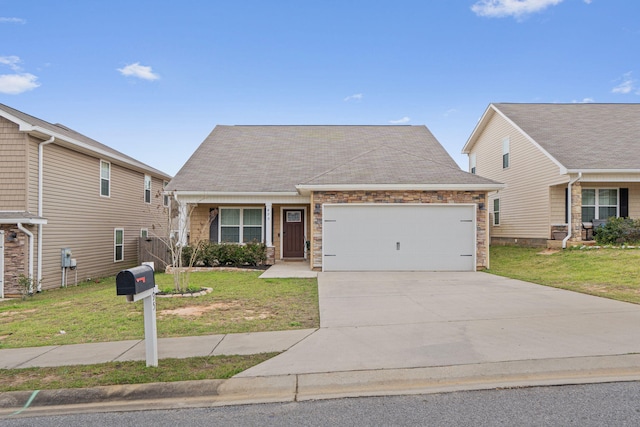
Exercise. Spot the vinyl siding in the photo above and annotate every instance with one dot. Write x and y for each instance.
(79, 218)
(525, 202)
(13, 160)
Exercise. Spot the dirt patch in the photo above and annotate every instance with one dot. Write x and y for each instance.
(549, 252)
(199, 310)
(17, 313)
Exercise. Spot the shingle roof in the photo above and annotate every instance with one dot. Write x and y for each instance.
(71, 135)
(582, 136)
(277, 158)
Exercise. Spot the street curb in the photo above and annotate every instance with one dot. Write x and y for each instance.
(315, 386)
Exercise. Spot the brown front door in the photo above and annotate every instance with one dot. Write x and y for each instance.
(293, 233)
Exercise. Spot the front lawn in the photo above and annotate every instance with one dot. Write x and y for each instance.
(92, 312)
(606, 272)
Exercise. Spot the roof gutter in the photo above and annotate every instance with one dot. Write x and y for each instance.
(40, 207)
(30, 235)
(571, 182)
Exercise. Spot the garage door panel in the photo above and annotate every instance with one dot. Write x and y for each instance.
(399, 238)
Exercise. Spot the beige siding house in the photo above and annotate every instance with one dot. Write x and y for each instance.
(564, 166)
(339, 197)
(62, 190)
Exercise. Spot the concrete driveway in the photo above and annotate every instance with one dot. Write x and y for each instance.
(379, 320)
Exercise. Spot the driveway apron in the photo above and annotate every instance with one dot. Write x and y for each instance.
(386, 320)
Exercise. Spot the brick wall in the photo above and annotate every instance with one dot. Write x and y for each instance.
(478, 197)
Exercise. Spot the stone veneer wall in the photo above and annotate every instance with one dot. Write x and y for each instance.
(477, 197)
(15, 258)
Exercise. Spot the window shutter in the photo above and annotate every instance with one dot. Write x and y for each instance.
(566, 205)
(624, 202)
(213, 228)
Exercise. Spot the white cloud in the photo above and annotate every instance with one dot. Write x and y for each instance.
(584, 101)
(516, 8)
(14, 84)
(450, 111)
(400, 121)
(4, 20)
(11, 61)
(354, 97)
(140, 71)
(587, 1)
(627, 85)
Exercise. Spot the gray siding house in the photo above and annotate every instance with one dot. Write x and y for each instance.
(344, 198)
(564, 166)
(62, 190)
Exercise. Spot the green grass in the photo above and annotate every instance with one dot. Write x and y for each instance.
(168, 370)
(92, 312)
(610, 273)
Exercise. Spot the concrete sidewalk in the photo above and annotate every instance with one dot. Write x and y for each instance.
(183, 347)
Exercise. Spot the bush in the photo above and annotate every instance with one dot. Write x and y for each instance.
(226, 254)
(618, 231)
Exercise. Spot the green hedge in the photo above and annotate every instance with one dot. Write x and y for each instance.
(226, 254)
(618, 231)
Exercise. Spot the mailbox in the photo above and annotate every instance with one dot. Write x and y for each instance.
(135, 280)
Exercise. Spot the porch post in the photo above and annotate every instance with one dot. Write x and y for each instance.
(576, 212)
(269, 225)
(182, 222)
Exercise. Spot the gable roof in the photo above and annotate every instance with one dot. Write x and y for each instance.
(76, 141)
(246, 159)
(576, 136)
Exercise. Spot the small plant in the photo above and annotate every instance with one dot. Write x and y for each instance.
(26, 285)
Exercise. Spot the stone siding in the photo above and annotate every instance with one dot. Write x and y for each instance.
(333, 197)
(15, 259)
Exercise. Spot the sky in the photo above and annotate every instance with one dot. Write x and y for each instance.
(153, 78)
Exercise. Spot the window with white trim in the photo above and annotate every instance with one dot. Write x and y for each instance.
(505, 153)
(118, 244)
(496, 211)
(599, 203)
(165, 197)
(241, 225)
(105, 178)
(144, 233)
(147, 189)
(472, 163)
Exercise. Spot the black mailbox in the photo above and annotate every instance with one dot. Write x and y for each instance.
(135, 280)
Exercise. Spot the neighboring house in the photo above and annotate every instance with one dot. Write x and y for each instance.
(342, 197)
(62, 190)
(562, 164)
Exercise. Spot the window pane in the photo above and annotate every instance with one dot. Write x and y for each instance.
(588, 213)
(119, 256)
(588, 197)
(147, 196)
(496, 218)
(496, 204)
(252, 234)
(104, 170)
(104, 187)
(119, 236)
(608, 197)
(607, 212)
(230, 216)
(230, 234)
(252, 217)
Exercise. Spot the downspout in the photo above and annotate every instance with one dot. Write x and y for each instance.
(40, 169)
(30, 235)
(569, 216)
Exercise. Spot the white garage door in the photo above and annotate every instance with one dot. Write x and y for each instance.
(399, 237)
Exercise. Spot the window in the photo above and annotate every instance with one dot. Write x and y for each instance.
(165, 197)
(144, 233)
(241, 225)
(147, 189)
(472, 163)
(496, 211)
(601, 203)
(118, 244)
(105, 178)
(505, 153)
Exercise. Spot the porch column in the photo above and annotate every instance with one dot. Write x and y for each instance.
(269, 225)
(576, 212)
(182, 222)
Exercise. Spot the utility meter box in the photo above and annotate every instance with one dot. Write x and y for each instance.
(135, 280)
(65, 257)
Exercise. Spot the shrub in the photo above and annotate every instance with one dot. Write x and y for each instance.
(618, 231)
(226, 254)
